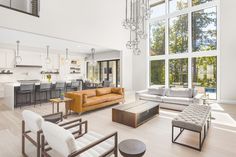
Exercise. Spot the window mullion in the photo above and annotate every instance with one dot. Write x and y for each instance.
(167, 45)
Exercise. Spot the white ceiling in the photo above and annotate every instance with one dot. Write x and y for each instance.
(31, 40)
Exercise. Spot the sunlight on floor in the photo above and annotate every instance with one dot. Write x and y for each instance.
(216, 107)
(223, 119)
(224, 129)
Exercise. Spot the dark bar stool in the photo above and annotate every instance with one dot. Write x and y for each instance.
(59, 87)
(25, 90)
(75, 85)
(44, 88)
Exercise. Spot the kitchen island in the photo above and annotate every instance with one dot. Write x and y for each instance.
(11, 89)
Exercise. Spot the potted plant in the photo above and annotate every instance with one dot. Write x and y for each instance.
(49, 77)
(62, 96)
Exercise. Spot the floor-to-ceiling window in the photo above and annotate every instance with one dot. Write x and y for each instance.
(183, 43)
(104, 70)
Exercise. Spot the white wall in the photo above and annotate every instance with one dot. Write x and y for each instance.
(89, 21)
(228, 51)
(107, 55)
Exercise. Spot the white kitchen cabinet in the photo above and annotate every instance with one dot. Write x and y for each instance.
(10, 59)
(2, 59)
(30, 58)
(7, 58)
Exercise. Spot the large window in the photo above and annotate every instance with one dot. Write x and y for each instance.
(25, 6)
(204, 73)
(204, 30)
(158, 72)
(157, 38)
(178, 73)
(178, 34)
(183, 35)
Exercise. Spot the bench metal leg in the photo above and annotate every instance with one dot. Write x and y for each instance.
(201, 141)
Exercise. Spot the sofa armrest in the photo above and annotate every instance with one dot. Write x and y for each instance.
(198, 98)
(137, 93)
(76, 104)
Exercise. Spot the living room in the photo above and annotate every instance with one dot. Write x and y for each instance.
(121, 76)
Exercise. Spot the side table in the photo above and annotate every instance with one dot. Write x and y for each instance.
(132, 148)
(57, 101)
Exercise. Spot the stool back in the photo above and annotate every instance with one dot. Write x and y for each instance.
(60, 85)
(75, 84)
(45, 86)
(27, 87)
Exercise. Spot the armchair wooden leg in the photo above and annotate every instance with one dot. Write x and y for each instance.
(23, 139)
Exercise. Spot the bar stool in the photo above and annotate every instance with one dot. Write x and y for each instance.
(59, 87)
(75, 85)
(25, 90)
(44, 88)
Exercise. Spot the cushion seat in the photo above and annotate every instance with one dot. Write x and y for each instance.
(193, 117)
(111, 97)
(94, 101)
(177, 100)
(147, 96)
(99, 149)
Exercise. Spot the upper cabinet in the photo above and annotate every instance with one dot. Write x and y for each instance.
(7, 58)
(30, 58)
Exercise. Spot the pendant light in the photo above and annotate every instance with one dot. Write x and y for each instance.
(67, 56)
(48, 60)
(18, 58)
(92, 60)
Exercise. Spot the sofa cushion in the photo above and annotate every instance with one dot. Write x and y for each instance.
(152, 97)
(156, 90)
(177, 100)
(103, 91)
(179, 92)
(85, 98)
(117, 90)
(94, 101)
(111, 97)
(89, 92)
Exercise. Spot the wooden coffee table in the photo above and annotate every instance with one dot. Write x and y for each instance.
(135, 114)
(132, 148)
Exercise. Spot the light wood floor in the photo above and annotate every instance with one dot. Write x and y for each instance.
(156, 133)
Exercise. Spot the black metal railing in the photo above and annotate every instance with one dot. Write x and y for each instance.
(30, 7)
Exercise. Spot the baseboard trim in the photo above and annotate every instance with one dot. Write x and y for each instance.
(225, 101)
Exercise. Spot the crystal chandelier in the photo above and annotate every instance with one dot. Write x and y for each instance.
(137, 12)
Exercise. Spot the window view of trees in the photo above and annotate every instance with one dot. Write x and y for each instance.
(204, 39)
(175, 5)
(178, 34)
(178, 72)
(204, 30)
(204, 74)
(157, 38)
(197, 2)
(158, 72)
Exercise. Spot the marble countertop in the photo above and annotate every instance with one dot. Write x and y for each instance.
(17, 84)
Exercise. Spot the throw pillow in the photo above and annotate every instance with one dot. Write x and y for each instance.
(117, 91)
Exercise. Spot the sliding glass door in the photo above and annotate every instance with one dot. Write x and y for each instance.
(106, 70)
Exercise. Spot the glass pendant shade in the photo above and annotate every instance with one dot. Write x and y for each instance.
(67, 57)
(48, 60)
(18, 58)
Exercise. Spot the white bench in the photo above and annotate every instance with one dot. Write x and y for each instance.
(194, 118)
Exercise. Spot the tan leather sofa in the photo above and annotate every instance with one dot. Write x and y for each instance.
(91, 99)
